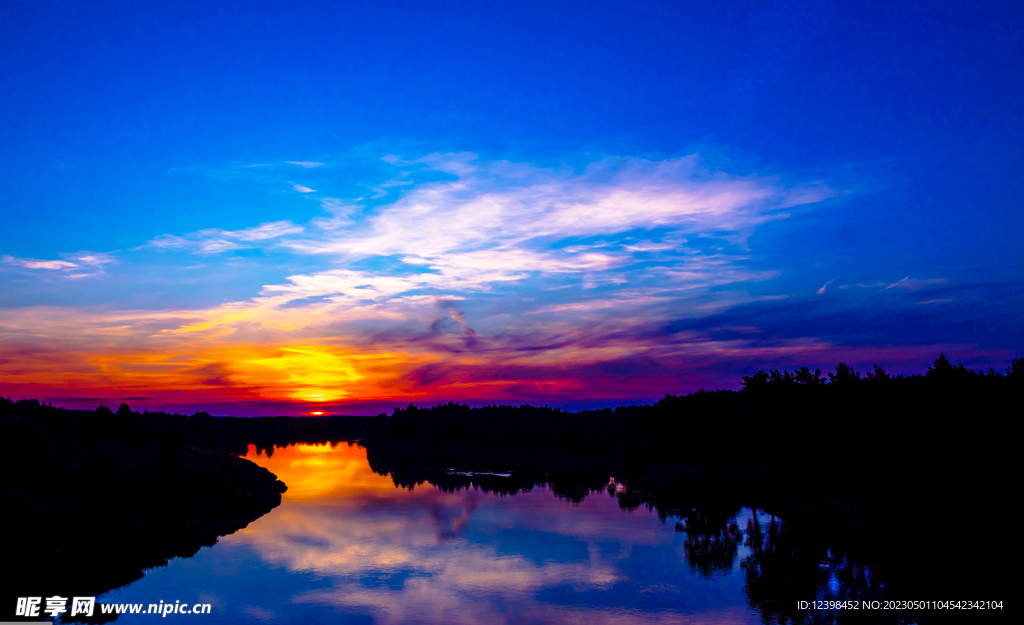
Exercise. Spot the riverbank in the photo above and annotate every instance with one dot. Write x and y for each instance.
(93, 500)
(904, 475)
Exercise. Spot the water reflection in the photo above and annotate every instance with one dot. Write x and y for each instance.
(347, 545)
(712, 542)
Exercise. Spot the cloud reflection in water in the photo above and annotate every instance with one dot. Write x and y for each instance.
(346, 545)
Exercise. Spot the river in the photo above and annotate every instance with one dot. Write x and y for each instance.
(347, 545)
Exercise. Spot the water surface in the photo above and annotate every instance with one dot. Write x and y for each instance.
(347, 545)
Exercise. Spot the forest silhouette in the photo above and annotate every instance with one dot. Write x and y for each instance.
(894, 481)
(888, 483)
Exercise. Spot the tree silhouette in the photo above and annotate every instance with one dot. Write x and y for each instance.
(844, 374)
(804, 376)
(1016, 368)
(878, 375)
(940, 367)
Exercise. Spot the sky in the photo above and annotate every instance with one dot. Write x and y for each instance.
(266, 208)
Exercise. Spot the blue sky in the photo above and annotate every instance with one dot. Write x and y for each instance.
(782, 183)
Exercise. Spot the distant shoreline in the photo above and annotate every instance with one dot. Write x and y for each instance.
(867, 456)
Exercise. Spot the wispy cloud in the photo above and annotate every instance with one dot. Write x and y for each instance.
(214, 240)
(95, 259)
(303, 189)
(270, 230)
(488, 279)
(73, 267)
(340, 213)
(500, 221)
(31, 263)
(915, 284)
(382, 189)
(307, 164)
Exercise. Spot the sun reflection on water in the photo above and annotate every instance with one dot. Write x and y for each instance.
(322, 471)
(368, 549)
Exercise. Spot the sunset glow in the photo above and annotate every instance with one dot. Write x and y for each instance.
(462, 312)
(323, 472)
(249, 240)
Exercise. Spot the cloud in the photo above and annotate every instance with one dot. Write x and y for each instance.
(345, 522)
(95, 259)
(381, 189)
(302, 189)
(75, 266)
(213, 240)
(340, 213)
(501, 221)
(30, 263)
(489, 279)
(915, 284)
(270, 230)
(307, 164)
